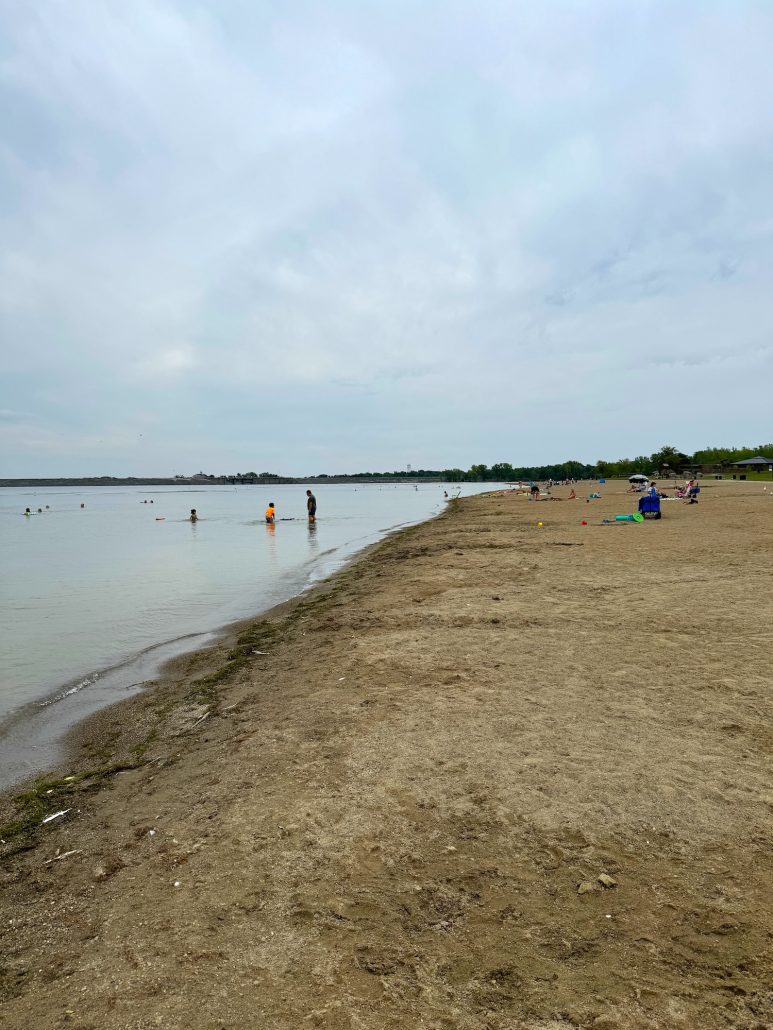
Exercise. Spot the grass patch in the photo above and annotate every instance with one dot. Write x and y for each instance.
(139, 751)
(45, 796)
(258, 637)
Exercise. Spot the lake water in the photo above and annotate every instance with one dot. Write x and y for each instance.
(93, 600)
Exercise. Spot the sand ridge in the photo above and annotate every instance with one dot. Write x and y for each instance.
(384, 820)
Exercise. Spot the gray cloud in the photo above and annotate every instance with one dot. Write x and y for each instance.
(350, 235)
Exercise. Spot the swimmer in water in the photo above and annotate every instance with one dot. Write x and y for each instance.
(27, 511)
(193, 516)
(271, 514)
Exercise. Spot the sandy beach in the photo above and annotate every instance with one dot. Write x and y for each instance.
(492, 776)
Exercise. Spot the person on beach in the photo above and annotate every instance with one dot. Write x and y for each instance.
(572, 496)
(311, 506)
(271, 514)
(534, 492)
(193, 516)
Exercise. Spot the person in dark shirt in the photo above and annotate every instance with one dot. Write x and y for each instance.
(311, 506)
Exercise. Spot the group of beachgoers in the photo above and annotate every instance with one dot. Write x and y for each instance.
(536, 493)
(649, 488)
(29, 511)
(271, 516)
(311, 510)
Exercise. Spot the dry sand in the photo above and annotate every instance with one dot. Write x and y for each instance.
(384, 821)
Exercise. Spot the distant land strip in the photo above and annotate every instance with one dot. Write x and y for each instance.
(664, 463)
(215, 481)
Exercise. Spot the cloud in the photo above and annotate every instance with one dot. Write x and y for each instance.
(380, 228)
(168, 362)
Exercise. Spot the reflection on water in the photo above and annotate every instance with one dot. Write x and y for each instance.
(313, 541)
(272, 561)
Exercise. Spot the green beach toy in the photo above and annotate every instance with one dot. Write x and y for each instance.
(638, 517)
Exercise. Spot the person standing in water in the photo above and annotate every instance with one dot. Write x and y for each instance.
(311, 506)
(271, 513)
(193, 516)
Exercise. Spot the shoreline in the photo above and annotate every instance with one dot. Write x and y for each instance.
(44, 723)
(499, 772)
(39, 729)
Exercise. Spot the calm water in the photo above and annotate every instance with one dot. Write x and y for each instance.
(94, 599)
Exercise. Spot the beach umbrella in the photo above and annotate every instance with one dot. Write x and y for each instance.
(637, 477)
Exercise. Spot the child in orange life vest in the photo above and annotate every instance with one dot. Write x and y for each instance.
(271, 514)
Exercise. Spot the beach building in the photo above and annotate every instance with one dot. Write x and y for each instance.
(758, 464)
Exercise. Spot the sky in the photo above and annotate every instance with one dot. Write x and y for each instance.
(245, 236)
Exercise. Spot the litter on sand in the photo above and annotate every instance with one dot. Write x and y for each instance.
(58, 858)
(56, 815)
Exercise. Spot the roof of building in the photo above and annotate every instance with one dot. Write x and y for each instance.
(759, 460)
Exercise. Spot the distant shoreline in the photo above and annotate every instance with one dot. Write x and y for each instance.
(216, 481)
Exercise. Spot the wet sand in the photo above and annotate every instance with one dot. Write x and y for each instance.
(390, 803)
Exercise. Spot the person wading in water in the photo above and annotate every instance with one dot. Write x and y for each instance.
(311, 506)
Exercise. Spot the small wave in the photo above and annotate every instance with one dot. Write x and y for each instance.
(106, 676)
(69, 691)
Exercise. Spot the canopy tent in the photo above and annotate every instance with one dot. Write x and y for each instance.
(637, 477)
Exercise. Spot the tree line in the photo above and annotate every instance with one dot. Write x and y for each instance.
(667, 458)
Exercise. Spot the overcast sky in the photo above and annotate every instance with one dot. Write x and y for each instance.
(303, 237)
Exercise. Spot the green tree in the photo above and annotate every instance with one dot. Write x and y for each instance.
(669, 456)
